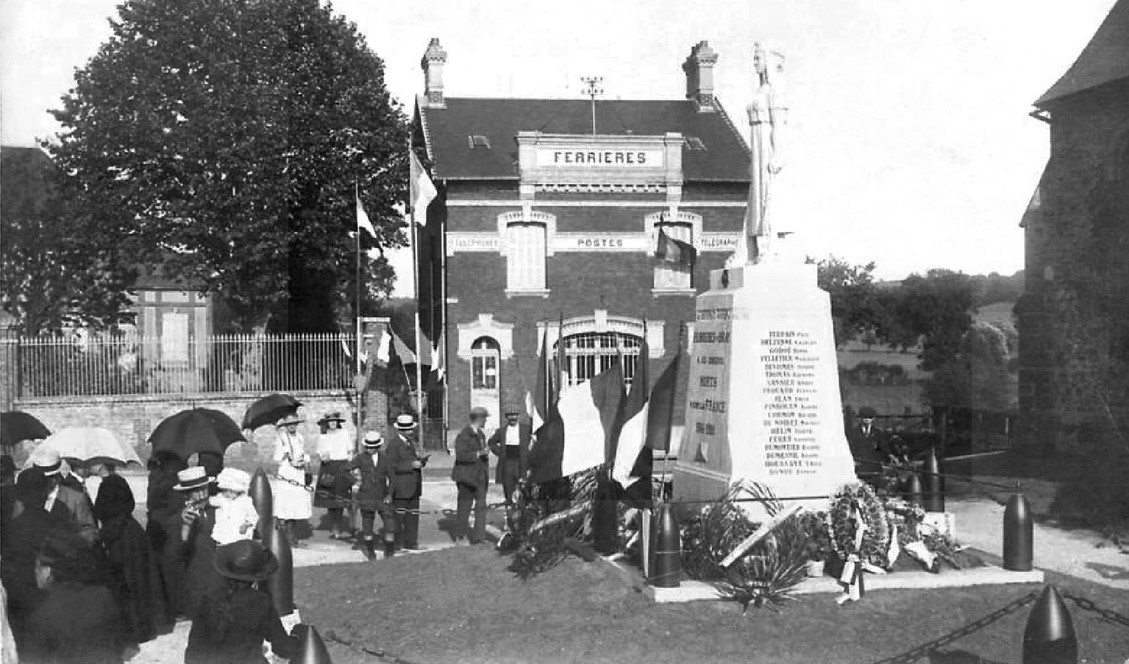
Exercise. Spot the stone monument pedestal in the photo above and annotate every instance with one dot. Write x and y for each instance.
(763, 396)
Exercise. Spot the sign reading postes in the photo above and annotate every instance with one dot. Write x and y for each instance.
(463, 242)
(598, 157)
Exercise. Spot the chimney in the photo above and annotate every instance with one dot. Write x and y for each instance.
(699, 76)
(432, 63)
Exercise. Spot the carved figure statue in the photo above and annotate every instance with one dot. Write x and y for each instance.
(767, 116)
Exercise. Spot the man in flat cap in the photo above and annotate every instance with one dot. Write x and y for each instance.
(868, 445)
(510, 443)
(471, 475)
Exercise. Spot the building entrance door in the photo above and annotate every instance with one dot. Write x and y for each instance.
(484, 374)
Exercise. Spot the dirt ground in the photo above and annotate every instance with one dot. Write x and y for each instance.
(462, 605)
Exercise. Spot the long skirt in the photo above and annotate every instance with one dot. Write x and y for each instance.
(292, 499)
(333, 485)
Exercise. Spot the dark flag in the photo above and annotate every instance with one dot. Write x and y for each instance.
(675, 251)
(661, 409)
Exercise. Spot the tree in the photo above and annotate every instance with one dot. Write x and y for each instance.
(53, 270)
(935, 310)
(977, 376)
(233, 135)
(855, 309)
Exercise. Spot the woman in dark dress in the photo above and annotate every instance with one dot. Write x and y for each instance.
(163, 508)
(136, 581)
(202, 584)
(78, 620)
(233, 628)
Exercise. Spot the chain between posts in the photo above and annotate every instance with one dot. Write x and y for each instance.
(1087, 605)
(924, 650)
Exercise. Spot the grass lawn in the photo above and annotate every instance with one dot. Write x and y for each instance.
(462, 605)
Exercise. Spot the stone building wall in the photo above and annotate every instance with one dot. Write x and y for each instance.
(1074, 316)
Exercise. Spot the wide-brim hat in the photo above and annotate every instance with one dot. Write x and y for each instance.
(332, 416)
(233, 479)
(292, 418)
(193, 477)
(372, 439)
(405, 422)
(244, 560)
(866, 412)
(479, 411)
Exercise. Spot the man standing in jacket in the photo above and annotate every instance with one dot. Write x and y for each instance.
(405, 469)
(369, 466)
(510, 443)
(471, 475)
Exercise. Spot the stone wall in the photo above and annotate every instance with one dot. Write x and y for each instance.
(132, 419)
(1074, 316)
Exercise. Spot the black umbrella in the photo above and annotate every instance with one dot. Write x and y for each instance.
(269, 410)
(197, 430)
(16, 425)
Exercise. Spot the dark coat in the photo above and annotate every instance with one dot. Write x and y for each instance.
(74, 623)
(404, 481)
(76, 506)
(136, 579)
(252, 620)
(374, 479)
(868, 450)
(21, 542)
(497, 445)
(472, 464)
(203, 585)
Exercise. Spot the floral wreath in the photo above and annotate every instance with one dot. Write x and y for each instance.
(841, 524)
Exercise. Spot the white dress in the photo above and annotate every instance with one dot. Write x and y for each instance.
(292, 500)
(235, 519)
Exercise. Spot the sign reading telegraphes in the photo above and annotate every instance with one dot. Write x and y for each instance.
(468, 242)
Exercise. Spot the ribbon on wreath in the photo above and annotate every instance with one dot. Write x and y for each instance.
(853, 567)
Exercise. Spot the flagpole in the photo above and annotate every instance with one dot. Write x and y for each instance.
(357, 315)
(414, 240)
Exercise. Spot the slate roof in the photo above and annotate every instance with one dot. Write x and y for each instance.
(1104, 60)
(447, 133)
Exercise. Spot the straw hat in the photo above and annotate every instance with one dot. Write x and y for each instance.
(192, 478)
(373, 440)
(405, 422)
(49, 463)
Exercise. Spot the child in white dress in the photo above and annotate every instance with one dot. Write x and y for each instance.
(235, 513)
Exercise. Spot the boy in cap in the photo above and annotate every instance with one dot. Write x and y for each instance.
(405, 478)
(370, 492)
(471, 474)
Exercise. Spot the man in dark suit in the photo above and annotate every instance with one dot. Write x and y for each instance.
(471, 475)
(405, 479)
(370, 467)
(868, 444)
(510, 443)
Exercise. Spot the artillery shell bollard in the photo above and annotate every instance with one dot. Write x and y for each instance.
(666, 572)
(263, 499)
(934, 483)
(312, 649)
(914, 491)
(280, 585)
(1049, 636)
(1018, 535)
(605, 524)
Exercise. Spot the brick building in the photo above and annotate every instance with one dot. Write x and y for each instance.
(1074, 315)
(551, 208)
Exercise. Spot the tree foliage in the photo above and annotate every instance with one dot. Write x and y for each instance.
(855, 308)
(53, 270)
(225, 140)
(977, 376)
(934, 310)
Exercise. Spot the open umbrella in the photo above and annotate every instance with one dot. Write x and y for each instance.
(87, 445)
(16, 425)
(269, 409)
(197, 430)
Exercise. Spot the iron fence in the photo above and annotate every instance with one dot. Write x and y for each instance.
(130, 365)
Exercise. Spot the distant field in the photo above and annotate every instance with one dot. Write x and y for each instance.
(999, 312)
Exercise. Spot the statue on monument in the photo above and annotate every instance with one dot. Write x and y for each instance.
(767, 117)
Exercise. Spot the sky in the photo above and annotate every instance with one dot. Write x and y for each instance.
(909, 142)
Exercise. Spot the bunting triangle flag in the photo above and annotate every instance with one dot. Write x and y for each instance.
(363, 222)
(402, 350)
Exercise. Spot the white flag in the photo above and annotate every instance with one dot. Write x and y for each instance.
(363, 221)
(383, 347)
(423, 191)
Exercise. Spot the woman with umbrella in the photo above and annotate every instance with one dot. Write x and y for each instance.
(335, 447)
(292, 500)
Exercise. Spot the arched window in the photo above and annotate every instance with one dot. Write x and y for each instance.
(525, 256)
(485, 372)
(589, 354)
(672, 276)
